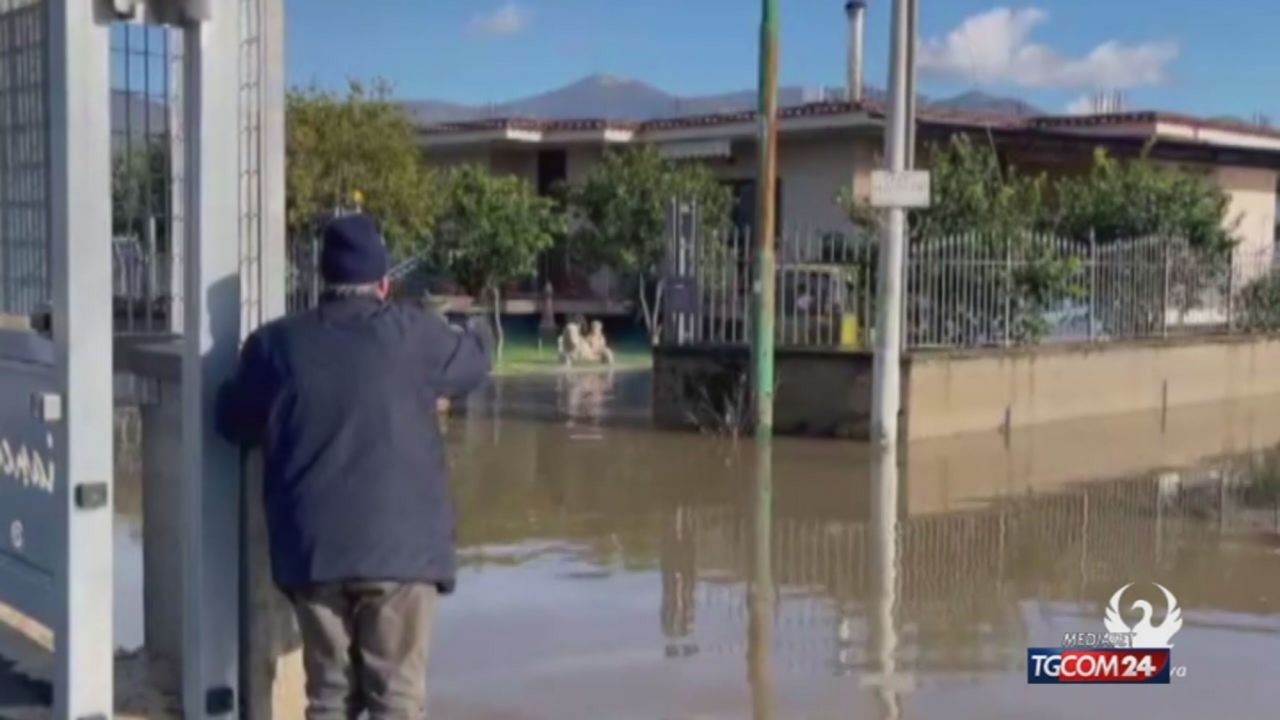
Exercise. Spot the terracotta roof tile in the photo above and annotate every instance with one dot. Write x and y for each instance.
(522, 123)
(929, 115)
(1149, 116)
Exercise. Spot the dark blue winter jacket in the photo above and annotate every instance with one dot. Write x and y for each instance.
(343, 401)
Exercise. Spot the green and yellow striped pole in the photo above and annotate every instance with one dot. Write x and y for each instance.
(766, 221)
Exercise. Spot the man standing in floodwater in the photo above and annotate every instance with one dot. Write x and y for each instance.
(343, 400)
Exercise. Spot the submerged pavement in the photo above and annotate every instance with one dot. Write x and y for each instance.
(613, 571)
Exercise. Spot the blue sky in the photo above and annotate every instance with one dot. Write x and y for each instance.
(1207, 57)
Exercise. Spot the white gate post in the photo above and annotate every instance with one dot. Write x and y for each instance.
(80, 269)
(273, 675)
(211, 335)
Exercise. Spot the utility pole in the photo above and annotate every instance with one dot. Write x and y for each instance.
(913, 40)
(766, 214)
(887, 385)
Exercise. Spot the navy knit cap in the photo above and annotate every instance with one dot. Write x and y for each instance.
(353, 252)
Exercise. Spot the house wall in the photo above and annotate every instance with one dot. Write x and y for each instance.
(521, 162)
(454, 157)
(814, 171)
(1253, 202)
(581, 160)
(816, 168)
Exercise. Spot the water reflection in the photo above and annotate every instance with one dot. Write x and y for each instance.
(760, 588)
(614, 571)
(886, 680)
(636, 574)
(585, 396)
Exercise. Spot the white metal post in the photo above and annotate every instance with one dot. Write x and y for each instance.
(211, 469)
(80, 266)
(913, 40)
(886, 388)
(273, 254)
(273, 678)
(889, 683)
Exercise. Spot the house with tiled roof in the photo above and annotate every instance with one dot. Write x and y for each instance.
(831, 146)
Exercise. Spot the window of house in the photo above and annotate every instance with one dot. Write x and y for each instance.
(555, 266)
(553, 169)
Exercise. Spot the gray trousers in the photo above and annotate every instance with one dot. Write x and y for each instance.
(364, 648)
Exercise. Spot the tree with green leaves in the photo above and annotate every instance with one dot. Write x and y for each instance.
(358, 142)
(982, 208)
(623, 204)
(1178, 215)
(1133, 199)
(139, 188)
(978, 200)
(973, 193)
(492, 230)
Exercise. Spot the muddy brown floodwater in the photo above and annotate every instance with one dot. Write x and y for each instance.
(610, 571)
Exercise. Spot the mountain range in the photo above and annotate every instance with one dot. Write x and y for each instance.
(616, 98)
(598, 96)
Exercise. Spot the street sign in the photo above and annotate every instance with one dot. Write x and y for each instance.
(908, 189)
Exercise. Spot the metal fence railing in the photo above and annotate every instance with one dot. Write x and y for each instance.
(972, 291)
(147, 177)
(24, 157)
(967, 291)
(825, 291)
(142, 286)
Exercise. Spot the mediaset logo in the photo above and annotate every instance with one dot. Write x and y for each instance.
(1124, 654)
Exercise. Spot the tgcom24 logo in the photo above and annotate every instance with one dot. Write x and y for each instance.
(1125, 654)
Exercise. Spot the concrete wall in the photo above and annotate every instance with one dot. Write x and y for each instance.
(828, 393)
(956, 393)
(819, 394)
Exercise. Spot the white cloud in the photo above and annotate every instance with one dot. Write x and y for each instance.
(995, 47)
(509, 19)
(1082, 105)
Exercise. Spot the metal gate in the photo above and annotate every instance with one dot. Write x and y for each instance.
(55, 394)
(130, 133)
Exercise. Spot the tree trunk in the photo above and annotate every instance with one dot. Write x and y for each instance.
(652, 321)
(498, 335)
(659, 292)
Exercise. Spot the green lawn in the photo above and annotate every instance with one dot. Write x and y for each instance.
(521, 355)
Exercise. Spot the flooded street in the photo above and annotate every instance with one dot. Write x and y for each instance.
(614, 571)
(610, 569)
